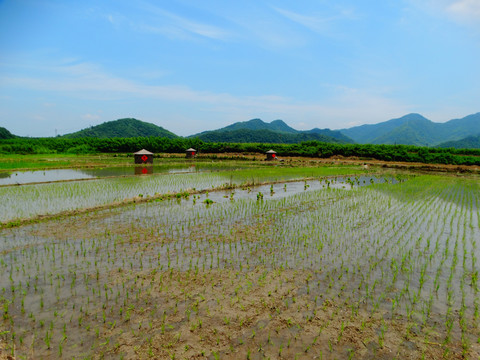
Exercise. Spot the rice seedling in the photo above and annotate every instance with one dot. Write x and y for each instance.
(20, 202)
(369, 263)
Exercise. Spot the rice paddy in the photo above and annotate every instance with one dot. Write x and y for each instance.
(304, 266)
(27, 201)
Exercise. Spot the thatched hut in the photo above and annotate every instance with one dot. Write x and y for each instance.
(271, 155)
(143, 157)
(190, 153)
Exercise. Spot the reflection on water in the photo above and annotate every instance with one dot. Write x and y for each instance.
(40, 176)
(24, 177)
(143, 170)
(191, 168)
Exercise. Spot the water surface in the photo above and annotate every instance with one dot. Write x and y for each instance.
(41, 176)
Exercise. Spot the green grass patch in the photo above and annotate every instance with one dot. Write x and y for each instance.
(55, 161)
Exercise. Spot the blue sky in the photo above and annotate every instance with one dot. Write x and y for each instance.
(190, 66)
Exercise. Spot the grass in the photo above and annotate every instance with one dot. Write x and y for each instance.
(57, 161)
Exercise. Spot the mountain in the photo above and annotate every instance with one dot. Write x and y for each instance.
(418, 131)
(366, 134)
(258, 124)
(5, 134)
(464, 127)
(258, 131)
(414, 129)
(263, 136)
(254, 124)
(330, 133)
(123, 128)
(470, 142)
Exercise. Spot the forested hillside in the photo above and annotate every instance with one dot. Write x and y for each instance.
(267, 136)
(277, 131)
(122, 128)
(414, 129)
(5, 134)
(470, 142)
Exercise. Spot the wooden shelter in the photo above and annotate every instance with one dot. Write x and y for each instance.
(271, 155)
(143, 157)
(191, 153)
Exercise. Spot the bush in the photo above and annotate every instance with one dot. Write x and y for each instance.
(81, 149)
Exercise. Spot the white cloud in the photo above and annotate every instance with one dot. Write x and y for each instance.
(173, 25)
(117, 20)
(151, 74)
(468, 10)
(317, 23)
(88, 81)
(267, 33)
(114, 20)
(148, 18)
(91, 117)
(353, 123)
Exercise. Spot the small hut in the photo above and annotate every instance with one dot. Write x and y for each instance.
(143, 157)
(191, 153)
(271, 155)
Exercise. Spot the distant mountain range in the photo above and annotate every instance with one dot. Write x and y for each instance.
(470, 142)
(123, 128)
(277, 131)
(414, 129)
(411, 129)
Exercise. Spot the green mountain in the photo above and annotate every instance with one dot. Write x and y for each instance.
(331, 133)
(420, 132)
(258, 131)
(470, 142)
(263, 136)
(5, 134)
(414, 129)
(123, 128)
(258, 124)
(366, 134)
(462, 128)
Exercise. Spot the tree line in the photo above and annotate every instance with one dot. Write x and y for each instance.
(406, 153)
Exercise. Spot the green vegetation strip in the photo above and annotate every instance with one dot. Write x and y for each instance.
(404, 153)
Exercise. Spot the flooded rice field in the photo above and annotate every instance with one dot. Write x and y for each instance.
(318, 268)
(46, 176)
(28, 201)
